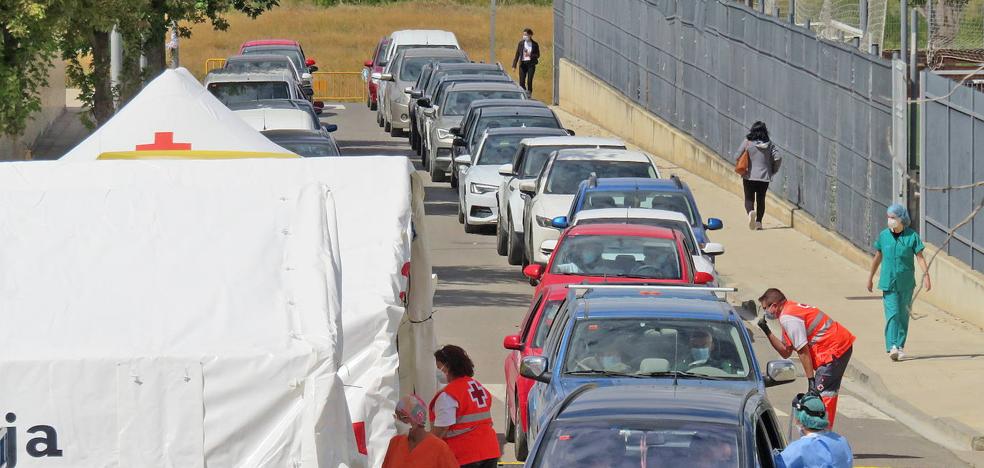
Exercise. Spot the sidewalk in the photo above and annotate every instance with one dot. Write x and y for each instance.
(934, 391)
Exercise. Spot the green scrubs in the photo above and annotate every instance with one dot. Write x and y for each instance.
(897, 281)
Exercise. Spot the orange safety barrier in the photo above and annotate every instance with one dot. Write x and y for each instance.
(338, 86)
(214, 64)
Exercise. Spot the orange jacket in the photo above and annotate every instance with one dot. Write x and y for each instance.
(826, 338)
(471, 437)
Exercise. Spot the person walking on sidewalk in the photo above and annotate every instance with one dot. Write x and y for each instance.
(818, 447)
(413, 446)
(527, 56)
(895, 247)
(763, 163)
(823, 345)
(461, 413)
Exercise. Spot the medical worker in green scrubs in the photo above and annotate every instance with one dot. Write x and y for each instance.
(895, 248)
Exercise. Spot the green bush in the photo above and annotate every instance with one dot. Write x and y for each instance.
(328, 3)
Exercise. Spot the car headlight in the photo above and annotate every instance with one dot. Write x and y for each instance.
(479, 189)
(544, 222)
(443, 134)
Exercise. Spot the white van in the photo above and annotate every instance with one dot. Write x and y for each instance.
(415, 38)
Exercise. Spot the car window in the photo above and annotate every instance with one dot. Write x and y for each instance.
(247, 66)
(656, 347)
(380, 58)
(411, 68)
(498, 149)
(552, 343)
(310, 149)
(536, 157)
(657, 443)
(681, 226)
(546, 319)
(293, 54)
(482, 72)
(402, 47)
(246, 91)
(763, 449)
(619, 256)
(457, 102)
(502, 121)
(528, 320)
(565, 175)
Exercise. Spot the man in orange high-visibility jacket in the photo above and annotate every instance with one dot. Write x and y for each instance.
(823, 345)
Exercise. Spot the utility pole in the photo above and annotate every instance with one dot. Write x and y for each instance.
(492, 34)
(115, 62)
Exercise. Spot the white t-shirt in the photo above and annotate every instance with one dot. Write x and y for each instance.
(795, 329)
(527, 50)
(445, 411)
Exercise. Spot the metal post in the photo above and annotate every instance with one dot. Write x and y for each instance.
(173, 45)
(492, 33)
(792, 11)
(913, 85)
(904, 32)
(115, 57)
(863, 15)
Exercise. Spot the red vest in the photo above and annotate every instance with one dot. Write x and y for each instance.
(827, 339)
(471, 437)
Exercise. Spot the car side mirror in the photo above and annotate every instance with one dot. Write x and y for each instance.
(329, 127)
(367, 63)
(305, 76)
(533, 271)
(424, 102)
(512, 342)
(312, 69)
(534, 367)
(778, 372)
(506, 170)
(713, 249)
(528, 187)
(428, 111)
(463, 160)
(408, 89)
(713, 224)
(456, 131)
(703, 277)
(386, 76)
(570, 132)
(376, 76)
(458, 142)
(416, 95)
(560, 222)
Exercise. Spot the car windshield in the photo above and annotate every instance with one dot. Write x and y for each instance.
(410, 70)
(597, 443)
(536, 157)
(436, 78)
(498, 149)
(402, 47)
(292, 53)
(457, 102)
(310, 149)
(498, 121)
(566, 174)
(680, 226)
(620, 256)
(669, 201)
(657, 347)
(247, 66)
(246, 91)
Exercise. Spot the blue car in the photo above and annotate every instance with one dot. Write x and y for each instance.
(618, 335)
(646, 425)
(663, 194)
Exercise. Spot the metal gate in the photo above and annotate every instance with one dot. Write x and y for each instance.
(338, 86)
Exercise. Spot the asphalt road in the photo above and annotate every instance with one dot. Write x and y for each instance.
(480, 299)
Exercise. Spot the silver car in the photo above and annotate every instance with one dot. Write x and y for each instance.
(399, 77)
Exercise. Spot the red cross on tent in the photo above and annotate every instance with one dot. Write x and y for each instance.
(477, 394)
(163, 141)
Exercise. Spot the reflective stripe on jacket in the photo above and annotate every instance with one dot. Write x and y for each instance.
(827, 338)
(471, 437)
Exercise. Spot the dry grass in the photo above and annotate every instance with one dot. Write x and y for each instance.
(340, 38)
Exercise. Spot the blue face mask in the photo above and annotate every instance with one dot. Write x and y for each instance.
(700, 354)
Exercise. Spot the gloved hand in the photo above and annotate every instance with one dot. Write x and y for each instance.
(812, 381)
(764, 326)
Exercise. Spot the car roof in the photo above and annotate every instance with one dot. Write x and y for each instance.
(721, 405)
(523, 110)
(434, 52)
(643, 183)
(485, 86)
(639, 301)
(607, 229)
(524, 131)
(630, 213)
(572, 140)
(581, 154)
(264, 42)
(220, 76)
(259, 58)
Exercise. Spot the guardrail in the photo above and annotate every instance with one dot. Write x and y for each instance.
(338, 86)
(214, 64)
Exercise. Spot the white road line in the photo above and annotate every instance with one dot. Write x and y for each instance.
(854, 408)
(335, 106)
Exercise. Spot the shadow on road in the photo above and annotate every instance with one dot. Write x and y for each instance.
(869, 456)
(473, 298)
(942, 356)
(479, 275)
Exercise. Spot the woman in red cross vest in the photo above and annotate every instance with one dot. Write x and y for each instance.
(461, 413)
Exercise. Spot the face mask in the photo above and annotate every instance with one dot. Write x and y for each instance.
(402, 427)
(589, 256)
(700, 354)
(608, 362)
(894, 224)
(442, 378)
(770, 316)
(525, 37)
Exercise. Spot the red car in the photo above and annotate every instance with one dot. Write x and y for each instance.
(375, 65)
(528, 342)
(618, 253)
(292, 49)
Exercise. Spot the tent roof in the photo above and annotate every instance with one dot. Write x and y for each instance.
(174, 112)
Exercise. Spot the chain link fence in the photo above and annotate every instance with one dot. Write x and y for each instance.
(713, 67)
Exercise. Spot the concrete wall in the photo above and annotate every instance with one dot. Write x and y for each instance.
(956, 288)
(52, 106)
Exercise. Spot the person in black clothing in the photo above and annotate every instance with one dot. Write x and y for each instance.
(527, 56)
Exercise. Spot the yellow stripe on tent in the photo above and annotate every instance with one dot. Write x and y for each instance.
(193, 154)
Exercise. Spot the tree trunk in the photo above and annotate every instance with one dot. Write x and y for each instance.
(154, 41)
(102, 97)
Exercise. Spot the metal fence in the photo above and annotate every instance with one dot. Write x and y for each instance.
(952, 136)
(713, 67)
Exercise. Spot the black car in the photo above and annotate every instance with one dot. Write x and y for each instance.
(306, 143)
(659, 425)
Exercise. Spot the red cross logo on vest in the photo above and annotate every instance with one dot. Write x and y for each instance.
(163, 141)
(477, 394)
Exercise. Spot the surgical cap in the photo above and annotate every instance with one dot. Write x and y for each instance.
(900, 212)
(808, 421)
(413, 408)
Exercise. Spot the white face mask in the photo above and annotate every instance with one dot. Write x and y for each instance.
(402, 427)
(525, 37)
(894, 224)
(442, 378)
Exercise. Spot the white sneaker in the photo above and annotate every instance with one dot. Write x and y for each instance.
(758, 226)
(751, 220)
(894, 353)
(901, 355)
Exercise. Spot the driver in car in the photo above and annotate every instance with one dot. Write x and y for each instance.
(609, 358)
(585, 259)
(658, 262)
(703, 353)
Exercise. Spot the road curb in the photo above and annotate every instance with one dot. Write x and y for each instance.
(945, 431)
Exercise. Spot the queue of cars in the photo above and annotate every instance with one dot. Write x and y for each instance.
(269, 86)
(628, 351)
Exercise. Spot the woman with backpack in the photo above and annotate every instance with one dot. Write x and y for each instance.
(757, 162)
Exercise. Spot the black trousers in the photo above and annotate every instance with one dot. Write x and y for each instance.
(526, 71)
(755, 197)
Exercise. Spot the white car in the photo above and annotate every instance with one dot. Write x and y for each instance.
(278, 114)
(400, 74)
(528, 161)
(551, 194)
(415, 38)
(232, 87)
(703, 256)
(479, 173)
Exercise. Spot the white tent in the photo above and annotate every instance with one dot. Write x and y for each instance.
(174, 114)
(165, 324)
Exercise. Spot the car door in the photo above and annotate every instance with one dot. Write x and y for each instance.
(768, 438)
(530, 203)
(539, 401)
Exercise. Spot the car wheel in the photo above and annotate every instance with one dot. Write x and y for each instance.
(522, 444)
(461, 215)
(395, 132)
(424, 156)
(501, 239)
(387, 127)
(379, 119)
(510, 426)
(414, 143)
(437, 175)
(454, 177)
(514, 246)
(373, 106)
(472, 228)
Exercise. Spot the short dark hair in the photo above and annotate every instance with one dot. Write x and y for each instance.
(456, 360)
(772, 296)
(758, 132)
(528, 31)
